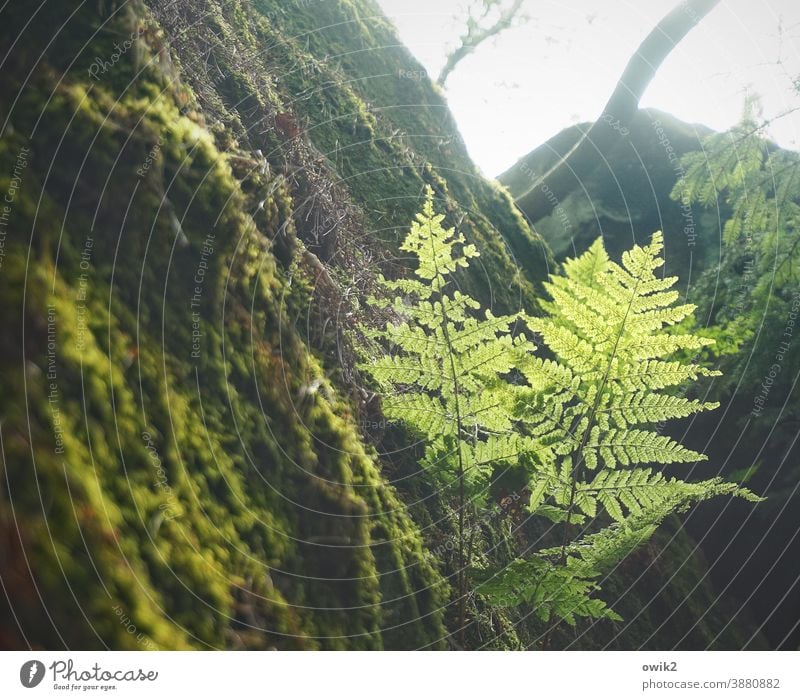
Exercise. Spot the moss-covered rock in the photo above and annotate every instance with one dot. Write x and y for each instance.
(627, 196)
(178, 472)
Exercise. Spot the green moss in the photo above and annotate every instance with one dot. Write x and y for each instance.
(386, 131)
(194, 496)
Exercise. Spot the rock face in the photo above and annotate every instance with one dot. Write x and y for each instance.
(627, 197)
(206, 193)
(201, 198)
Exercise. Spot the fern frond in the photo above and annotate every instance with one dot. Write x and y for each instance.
(615, 446)
(639, 407)
(424, 371)
(439, 252)
(444, 360)
(648, 497)
(565, 591)
(498, 449)
(656, 374)
(426, 414)
(578, 424)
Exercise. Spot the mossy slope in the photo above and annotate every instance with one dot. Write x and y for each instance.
(178, 472)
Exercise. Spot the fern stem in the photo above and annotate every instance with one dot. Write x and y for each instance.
(461, 580)
(584, 441)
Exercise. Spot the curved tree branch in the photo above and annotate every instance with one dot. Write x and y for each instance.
(546, 191)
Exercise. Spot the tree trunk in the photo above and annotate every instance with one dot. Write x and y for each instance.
(549, 189)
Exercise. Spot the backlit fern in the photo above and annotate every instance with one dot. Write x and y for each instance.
(443, 374)
(579, 422)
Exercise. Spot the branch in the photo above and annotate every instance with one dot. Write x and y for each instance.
(476, 35)
(545, 193)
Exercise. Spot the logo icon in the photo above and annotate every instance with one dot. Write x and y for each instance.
(31, 673)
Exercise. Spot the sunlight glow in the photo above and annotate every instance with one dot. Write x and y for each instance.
(559, 68)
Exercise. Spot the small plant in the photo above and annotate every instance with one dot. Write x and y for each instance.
(612, 331)
(580, 422)
(443, 374)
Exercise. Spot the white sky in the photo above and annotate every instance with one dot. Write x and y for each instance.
(515, 92)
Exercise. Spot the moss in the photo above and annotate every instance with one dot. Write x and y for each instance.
(188, 487)
(385, 131)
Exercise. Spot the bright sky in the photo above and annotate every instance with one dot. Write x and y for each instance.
(515, 92)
